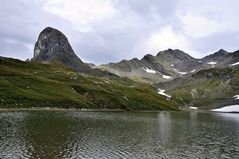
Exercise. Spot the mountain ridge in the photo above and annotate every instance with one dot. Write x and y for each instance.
(169, 63)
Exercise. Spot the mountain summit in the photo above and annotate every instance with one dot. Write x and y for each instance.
(175, 55)
(217, 56)
(52, 46)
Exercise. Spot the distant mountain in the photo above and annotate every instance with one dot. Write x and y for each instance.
(150, 68)
(169, 64)
(174, 56)
(217, 56)
(52, 46)
(228, 60)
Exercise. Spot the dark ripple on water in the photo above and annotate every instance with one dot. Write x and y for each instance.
(43, 134)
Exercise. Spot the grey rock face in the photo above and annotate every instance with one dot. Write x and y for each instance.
(53, 46)
(217, 56)
(175, 55)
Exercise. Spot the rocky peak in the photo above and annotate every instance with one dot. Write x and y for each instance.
(221, 52)
(51, 42)
(135, 59)
(217, 56)
(53, 46)
(148, 57)
(175, 54)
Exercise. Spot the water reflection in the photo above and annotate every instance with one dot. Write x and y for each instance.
(164, 124)
(230, 117)
(56, 134)
(11, 138)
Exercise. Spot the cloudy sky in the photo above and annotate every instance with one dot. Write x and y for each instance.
(103, 31)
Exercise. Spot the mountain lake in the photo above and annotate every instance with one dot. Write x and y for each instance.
(47, 134)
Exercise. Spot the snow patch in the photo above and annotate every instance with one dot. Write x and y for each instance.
(234, 64)
(227, 109)
(166, 77)
(236, 97)
(192, 71)
(149, 70)
(195, 108)
(183, 73)
(161, 92)
(212, 63)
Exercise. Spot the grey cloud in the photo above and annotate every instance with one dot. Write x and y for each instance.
(22, 20)
(104, 47)
(161, 7)
(216, 41)
(14, 50)
(118, 44)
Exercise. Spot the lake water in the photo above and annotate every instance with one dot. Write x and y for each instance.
(69, 134)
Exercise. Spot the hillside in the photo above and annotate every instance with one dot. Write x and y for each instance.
(206, 89)
(31, 84)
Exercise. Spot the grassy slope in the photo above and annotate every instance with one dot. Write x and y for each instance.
(208, 88)
(27, 84)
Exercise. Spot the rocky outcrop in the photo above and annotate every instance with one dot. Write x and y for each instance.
(53, 46)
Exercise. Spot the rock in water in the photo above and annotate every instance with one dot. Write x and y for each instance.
(52, 46)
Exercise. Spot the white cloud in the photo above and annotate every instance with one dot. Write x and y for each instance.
(166, 38)
(103, 31)
(204, 18)
(199, 26)
(81, 13)
(163, 39)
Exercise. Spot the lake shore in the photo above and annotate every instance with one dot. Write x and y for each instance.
(80, 110)
(104, 110)
(61, 109)
(72, 109)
